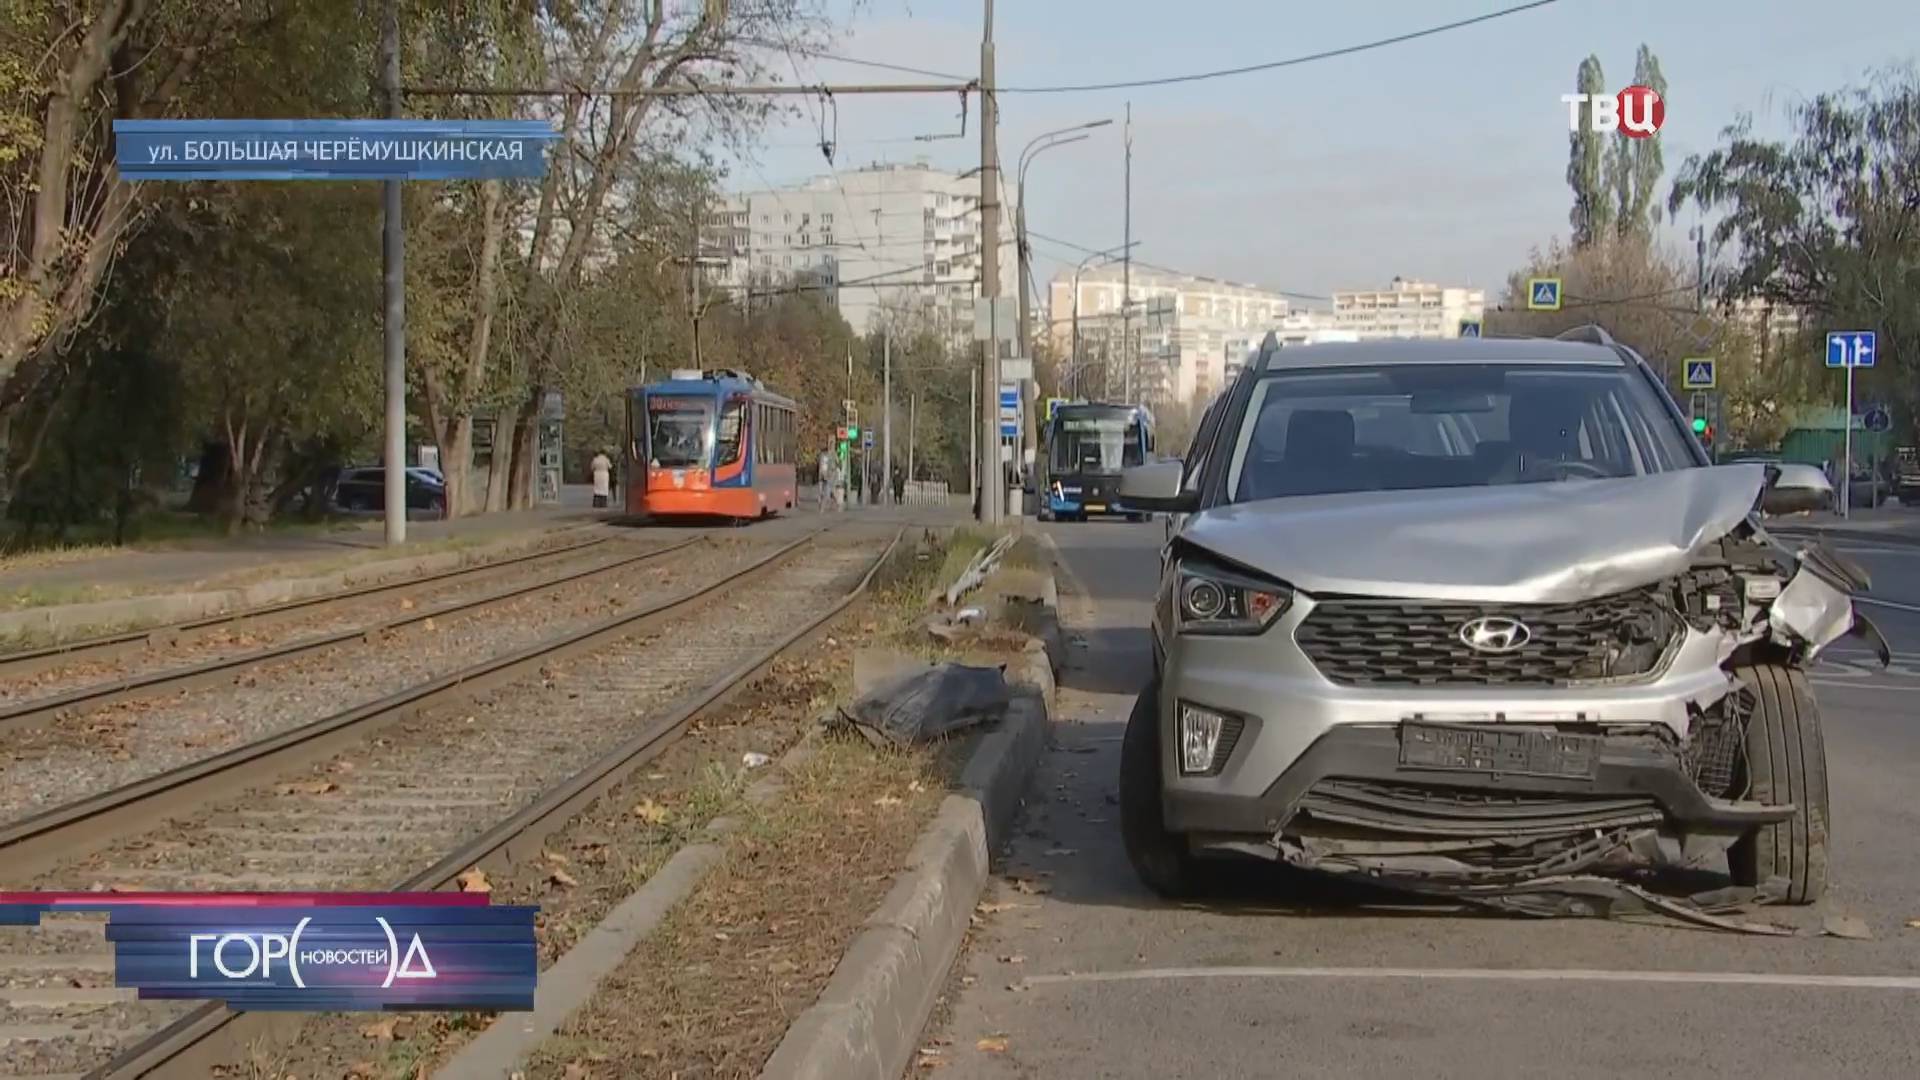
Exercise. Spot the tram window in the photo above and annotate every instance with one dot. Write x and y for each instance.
(727, 448)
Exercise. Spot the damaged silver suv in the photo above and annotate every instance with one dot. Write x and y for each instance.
(1477, 617)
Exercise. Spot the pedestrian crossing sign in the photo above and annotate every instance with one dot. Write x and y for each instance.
(1699, 373)
(1469, 327)
(1543, 294)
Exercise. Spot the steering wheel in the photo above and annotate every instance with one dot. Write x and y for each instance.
(1582, 468)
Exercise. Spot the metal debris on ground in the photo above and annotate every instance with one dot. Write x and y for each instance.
(950, 626)
(924, 704)
(977, 570)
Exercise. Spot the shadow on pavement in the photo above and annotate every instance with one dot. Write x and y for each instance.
(1107, 660)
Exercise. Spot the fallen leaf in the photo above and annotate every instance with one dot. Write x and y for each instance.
(721, 935)
(652, 812)
(406, 603)
(1016, 958)
(562, 878)
(1031, 887)
(555, 858)
(995, 909)
(428, 625)
(309, 787)
(363, 1069)
(473, 880)
(380, 1030)
(575, 1071)
(916, 787)
(1913, 924)
(991, 1046)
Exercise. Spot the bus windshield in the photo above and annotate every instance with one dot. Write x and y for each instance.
(1095, 444)
(677, 431)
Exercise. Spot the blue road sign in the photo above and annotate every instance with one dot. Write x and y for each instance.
(1469, 327)
(1008, 429)
(1543, 294)
(1878, 419)
(1009, 399)
(1851, 348)
(866, 440)
(1699, 373)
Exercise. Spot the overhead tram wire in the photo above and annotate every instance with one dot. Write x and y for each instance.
(962, 84)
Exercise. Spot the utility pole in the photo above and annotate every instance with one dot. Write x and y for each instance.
(992, 505)
(693, 272)
(1700, 269)
(1126, 268)
(393, 246)
(913, 416)
(886, 416)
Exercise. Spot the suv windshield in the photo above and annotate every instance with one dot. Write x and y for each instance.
(677, 430)
(1325, 431)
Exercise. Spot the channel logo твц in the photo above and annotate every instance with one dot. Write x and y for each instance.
(1636, 111)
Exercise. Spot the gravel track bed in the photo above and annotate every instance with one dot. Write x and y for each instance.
(241, 637)
(127, 740)
(378, 813)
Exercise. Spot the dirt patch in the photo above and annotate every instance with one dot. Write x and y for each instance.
(712, 991)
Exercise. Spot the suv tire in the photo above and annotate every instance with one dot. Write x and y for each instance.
(1159, 857)
(1786, 762)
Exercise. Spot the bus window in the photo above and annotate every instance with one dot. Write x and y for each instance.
(727, 448)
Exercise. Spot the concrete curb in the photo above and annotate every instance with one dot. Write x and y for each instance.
(867, 1021)
(174, 607)
(495, 1053)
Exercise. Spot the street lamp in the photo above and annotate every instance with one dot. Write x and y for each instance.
(1107, 254)
(1040, 144)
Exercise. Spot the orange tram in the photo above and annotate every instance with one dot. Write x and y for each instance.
(711, 444)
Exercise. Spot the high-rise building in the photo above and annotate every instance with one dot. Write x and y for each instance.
(1407, 309)
(892, 236)
(1180, 324)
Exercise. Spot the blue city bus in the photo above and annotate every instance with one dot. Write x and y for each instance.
(1086, 444)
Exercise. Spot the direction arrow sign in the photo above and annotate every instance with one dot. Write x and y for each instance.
(1543, 294)
(1878, 419)
(1699, 372)
(1469, 327)
(1851, 348)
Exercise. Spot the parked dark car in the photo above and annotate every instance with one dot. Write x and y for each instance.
(365, 489)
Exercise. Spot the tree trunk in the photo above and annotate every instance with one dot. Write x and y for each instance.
(501, 467)
(212, 480)
(456, 463)
(526, 452)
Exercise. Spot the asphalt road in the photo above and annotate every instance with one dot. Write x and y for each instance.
(1090, 975)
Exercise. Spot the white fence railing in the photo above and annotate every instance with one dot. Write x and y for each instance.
(925, 493)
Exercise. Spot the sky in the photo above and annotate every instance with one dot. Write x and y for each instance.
(1441, 159)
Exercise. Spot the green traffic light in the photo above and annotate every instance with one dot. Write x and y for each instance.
(1699, 425)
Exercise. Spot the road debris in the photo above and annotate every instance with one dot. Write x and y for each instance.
(923, 705)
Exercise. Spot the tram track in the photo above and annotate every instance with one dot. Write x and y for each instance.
(199, 712)
(21, 663)
(537, 735)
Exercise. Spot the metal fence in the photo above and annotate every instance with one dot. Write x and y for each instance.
(925, 493)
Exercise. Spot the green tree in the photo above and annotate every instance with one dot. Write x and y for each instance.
(1826, 222)
(1586, 163)
(1635, 165)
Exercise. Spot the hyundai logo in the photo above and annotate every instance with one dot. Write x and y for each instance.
(1495, 634)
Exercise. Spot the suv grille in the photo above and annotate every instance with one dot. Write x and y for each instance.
(1364, 642)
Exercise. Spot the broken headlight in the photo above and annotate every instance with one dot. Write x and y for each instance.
(1212, 600)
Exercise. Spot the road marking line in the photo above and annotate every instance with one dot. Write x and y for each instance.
(1848, 684)
(1689, 978)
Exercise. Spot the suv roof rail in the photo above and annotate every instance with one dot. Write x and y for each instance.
(1268, 346)
(1591, 333)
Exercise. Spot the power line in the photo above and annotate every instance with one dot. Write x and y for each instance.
(1271, 65)
(822, 54)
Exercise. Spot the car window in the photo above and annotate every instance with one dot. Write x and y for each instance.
(1324, 431)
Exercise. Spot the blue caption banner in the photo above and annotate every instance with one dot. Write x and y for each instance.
(332, 149)
(327, 958)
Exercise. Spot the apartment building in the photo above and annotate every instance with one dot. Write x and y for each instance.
(1406, 309)
(899, 237)
(1181, 326)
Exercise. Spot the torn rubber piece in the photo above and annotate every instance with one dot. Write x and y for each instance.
(924, 705)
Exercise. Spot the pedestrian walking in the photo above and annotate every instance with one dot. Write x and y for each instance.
(826, 480)
(602, 468)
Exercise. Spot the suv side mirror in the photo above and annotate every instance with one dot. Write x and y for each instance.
(1155, 488)
(1793, 487)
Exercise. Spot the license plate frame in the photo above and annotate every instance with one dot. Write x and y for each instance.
(1499, 750)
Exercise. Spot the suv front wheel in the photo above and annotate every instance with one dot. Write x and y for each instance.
(1160, 858)
(1786, 762)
